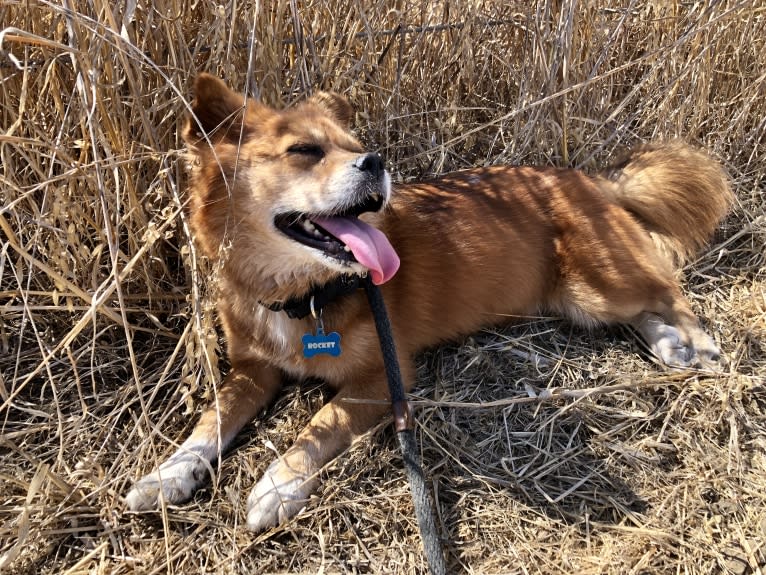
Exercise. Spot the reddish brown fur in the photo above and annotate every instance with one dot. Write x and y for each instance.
(477, 248)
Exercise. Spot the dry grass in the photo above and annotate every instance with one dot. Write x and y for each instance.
(550, 449)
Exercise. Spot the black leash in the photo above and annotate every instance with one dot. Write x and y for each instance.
(405, 431)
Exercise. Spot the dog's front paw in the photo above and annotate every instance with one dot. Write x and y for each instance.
(279, 495)
(175, 481)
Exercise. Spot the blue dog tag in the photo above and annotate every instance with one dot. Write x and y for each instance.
(321, 343)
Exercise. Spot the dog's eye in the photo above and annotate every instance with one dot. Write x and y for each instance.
(312, 150)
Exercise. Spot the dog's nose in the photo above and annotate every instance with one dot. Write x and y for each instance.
(371, 163)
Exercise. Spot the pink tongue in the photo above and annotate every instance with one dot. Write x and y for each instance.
(369, 245)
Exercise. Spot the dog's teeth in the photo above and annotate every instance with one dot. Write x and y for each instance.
(308, 226)
(346, 249)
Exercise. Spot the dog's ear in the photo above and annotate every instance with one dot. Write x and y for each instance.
(217, 113)
(335, 105)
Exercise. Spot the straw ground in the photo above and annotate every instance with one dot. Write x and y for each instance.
(550, 449)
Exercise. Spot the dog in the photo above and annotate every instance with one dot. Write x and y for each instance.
(294, 210)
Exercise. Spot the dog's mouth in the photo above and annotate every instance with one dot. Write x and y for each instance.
(345, 238)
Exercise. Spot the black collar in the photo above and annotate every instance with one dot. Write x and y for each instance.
(300, 307)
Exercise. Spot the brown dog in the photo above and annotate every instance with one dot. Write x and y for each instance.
(294, 209)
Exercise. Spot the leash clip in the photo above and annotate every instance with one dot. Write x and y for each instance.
(320, 343)
(316, 315)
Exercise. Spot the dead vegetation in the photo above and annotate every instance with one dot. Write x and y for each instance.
(550, 449)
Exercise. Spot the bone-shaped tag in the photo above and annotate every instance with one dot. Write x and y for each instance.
(321, 343)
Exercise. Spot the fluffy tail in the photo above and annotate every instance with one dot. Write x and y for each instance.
(678, 193)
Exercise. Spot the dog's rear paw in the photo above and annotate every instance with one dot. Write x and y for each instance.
(678, 349)
(700, 353)
(279, 495)
(706, 352)
(175, 481)
(670, 348)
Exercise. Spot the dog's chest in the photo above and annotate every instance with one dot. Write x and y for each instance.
(278, 332)
(280, 340)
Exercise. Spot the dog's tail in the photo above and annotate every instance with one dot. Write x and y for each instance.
(678, 193)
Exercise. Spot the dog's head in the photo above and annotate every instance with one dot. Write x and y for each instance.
(285, 189)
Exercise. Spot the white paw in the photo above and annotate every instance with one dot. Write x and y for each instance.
(676, 349)
(279, 495)
(177, 479)
(706, 351)
(669, 347)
